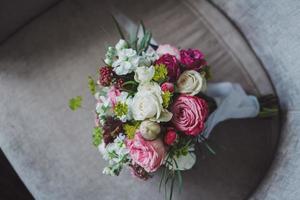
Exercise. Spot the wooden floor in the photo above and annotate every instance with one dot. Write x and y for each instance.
(11, 187)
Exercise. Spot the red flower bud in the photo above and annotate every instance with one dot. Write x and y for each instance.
(170, 136)
(167, 86)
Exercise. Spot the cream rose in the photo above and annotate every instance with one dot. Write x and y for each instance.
(144, 74)
(147, 104)
(191, 82)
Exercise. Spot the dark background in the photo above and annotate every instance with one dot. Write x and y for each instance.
(11, 186)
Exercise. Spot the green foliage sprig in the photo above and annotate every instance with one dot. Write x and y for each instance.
(75, 103)
(92, 85)
(97, 136)
(136, 43)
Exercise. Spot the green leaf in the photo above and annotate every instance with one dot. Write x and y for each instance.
(209, 148)
(97, 136)
(206, 72)
(134, 39)
(75, 103)
(176, 165)
(179, 180)
(143, 26)
(118, 27)
(130, 87)
(268, 112)
(133, 43)
(166, 185)
(130, 83)
(92, 85)
(148, 39)
(172, 187)
(145, 42)
(178, 175)
(165, 170)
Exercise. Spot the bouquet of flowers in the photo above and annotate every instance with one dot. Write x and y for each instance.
(152, 107)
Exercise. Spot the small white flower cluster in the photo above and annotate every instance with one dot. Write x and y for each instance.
(117, 154)
(125, 99)
(125, 60)
(103, 106)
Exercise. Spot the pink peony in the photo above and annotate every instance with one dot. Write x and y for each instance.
(167, 86)
(172, 65)
(170, 136)
(192, 59)
(189, 114)
(112, 95)
(168, 49)
(147, 154)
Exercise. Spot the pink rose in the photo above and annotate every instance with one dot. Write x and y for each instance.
(170, 136)
(148, 154)
(168, 49)
(192, 59)
(112, 95)
(167, 86)
(172, 65)
(189, 114)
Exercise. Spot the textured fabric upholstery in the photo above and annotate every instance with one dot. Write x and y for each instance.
(16, 13)
(48, 62)
(272, 28)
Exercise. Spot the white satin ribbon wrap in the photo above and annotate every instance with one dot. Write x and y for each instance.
(232, 101)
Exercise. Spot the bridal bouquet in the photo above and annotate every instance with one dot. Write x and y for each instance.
(152, 107)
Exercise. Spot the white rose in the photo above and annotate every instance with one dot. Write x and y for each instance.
(144, 74)
(149, 129)
(152, 87)
(147, 104)
(127, 61)
(191, 82)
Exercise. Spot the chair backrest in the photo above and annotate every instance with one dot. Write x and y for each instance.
(15, 14)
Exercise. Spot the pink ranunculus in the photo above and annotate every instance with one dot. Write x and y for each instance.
(148, 154)
(189, 114)
(170, 136)
(167, 86)
(112, 95)
(168, 49)
(172, 65)
(192, 59)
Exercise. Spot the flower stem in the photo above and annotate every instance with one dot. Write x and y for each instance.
(268, 106)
